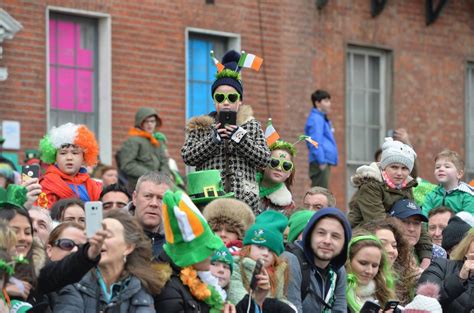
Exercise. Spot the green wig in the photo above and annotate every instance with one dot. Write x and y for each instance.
(283, 145)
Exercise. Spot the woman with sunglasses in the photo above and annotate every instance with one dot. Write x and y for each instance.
(237, 148)
(71, 256)
(276, 179)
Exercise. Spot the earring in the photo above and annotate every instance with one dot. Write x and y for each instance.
(124, 258)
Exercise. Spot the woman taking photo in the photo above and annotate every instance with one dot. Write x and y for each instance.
(455, 277)
(368, 273)
(123, 280)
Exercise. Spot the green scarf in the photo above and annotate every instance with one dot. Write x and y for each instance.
(265, 191)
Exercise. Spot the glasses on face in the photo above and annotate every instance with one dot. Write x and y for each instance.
(111, 205)
(281, 163)
(231, 97)
(65, 244)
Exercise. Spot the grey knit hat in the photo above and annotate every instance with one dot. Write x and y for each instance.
(394, 151)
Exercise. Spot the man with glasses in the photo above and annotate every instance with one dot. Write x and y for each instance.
(142, 152)
(237, 148)
(114, 196)
(319, 127)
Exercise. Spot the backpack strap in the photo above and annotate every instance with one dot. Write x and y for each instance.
(305, 268)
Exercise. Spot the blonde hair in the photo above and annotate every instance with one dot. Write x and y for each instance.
(451, 156)
(459, 253)
(7, 236)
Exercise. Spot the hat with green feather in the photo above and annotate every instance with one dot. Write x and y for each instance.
(189, 239)
(14, 195)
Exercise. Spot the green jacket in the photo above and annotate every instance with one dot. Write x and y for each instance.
(237, 290)
(459, 199)
(138, 155)
(374, 199)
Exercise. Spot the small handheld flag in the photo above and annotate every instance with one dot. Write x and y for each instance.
(271, 134)
(218, 64)
(308, 139)
(250, 61)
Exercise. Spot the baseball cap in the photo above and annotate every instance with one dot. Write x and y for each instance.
(406, 208)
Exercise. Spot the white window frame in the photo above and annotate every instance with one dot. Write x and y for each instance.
(104, 105)
(469, 126)
(385, 78)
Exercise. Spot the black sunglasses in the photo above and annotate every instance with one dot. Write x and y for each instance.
(65, 244)
(284, 164)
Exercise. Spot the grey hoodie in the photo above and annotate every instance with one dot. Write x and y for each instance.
(319, 283)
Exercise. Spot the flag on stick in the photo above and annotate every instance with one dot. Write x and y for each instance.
(218, 64)
(271, 134)
(250, 61)
(308, 139)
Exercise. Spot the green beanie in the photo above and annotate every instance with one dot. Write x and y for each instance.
(297, 223)
(267, 231)
(223, 255)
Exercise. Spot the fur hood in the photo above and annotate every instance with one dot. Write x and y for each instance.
(244, 115)
(365, 173)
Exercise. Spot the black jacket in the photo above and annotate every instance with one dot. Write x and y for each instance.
(175, 296)
(157, 242)
(455, 295)
(56, 275)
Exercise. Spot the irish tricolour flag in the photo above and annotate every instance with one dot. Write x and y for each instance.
(271, 134)
(250, 61)
(218, 64)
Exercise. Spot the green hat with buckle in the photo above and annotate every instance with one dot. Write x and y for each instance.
(205, 186)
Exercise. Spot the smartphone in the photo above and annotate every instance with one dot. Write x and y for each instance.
(370, 307)
(227, 118)
(256, 271)
(29, 172)
(390, 133)
(93, 217)
(391, 305)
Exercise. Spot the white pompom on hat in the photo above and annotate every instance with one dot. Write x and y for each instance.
(394, 151)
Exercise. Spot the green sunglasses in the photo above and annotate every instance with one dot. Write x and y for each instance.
(231, 97)
(281, 163)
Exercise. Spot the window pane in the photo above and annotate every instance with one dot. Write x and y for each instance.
(66, 38)
(85, 52)
(52, 41)
(358, 108)
(374, 72)
(85, 91)
(359, 143)
(66, 85)
(374, 108)
(359, 71)
(373, 142)
(53, 90)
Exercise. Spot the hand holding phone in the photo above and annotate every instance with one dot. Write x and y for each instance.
(391, 305)
(94, 217)
(227, 118)
(256, 271)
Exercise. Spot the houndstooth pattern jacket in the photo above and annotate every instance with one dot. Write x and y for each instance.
(244, 158)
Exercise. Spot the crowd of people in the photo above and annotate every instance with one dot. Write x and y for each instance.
(229, 236)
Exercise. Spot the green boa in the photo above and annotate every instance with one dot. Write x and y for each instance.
(265, 191)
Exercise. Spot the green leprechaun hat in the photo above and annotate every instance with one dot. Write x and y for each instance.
(189, 239)
(267, 231)
(14, 195)
(205, 186)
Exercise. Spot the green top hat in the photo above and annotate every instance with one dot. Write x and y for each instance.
(205, 186)
(14, 195)
(189, 239)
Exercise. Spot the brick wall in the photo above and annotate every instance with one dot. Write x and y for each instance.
(304, 49)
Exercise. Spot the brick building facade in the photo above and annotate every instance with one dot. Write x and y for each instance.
(383, 72)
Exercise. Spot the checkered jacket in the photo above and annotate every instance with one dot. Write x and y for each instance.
(244, 158)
